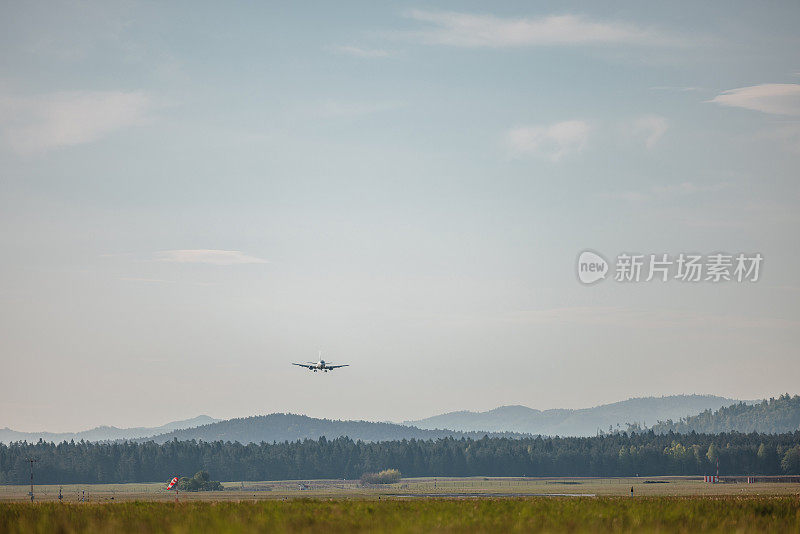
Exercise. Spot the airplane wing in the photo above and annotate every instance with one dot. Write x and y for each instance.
(337, 366)
(303, 365)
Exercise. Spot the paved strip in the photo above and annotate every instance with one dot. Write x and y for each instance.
(456, 495)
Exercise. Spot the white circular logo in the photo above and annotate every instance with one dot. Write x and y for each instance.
(591, 267)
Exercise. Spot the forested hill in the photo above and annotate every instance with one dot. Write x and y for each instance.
(581, 422)
(279, 427)
(773, 417)
(102, 433)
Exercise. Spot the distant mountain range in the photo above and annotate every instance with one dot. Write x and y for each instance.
(581, 422)
(775, 416)
(511, 421)
(103, 433)
(702, 413)
(281, 427)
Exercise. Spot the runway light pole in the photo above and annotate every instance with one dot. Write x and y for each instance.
(32, 460)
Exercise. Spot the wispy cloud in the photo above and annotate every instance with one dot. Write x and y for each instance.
(33, 124)
(214, 257)
(473, 31)
(358, 51)
(552, 141)
(649, 127)
(772, 98)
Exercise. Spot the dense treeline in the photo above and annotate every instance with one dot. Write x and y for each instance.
(612, 455)
(774, 416)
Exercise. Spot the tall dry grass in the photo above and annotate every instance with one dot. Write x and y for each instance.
(660, 514)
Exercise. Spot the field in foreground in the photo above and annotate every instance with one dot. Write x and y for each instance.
(533, 514)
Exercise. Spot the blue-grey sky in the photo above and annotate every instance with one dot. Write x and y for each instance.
(194, 195)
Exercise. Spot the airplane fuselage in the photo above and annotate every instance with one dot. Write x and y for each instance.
(319, 365)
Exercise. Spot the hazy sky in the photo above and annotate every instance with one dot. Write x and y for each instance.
(192, 196)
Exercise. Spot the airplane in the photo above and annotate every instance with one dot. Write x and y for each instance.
(320, 365)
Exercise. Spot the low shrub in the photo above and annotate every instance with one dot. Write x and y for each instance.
(387, 476)
(201, 481)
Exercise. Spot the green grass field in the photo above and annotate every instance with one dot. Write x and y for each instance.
(660, 504)
(531, 514)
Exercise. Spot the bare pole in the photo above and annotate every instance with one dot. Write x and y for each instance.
(32, 460)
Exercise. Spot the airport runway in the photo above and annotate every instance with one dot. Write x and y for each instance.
(494, 495)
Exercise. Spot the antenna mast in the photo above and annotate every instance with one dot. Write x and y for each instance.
(32, 460)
